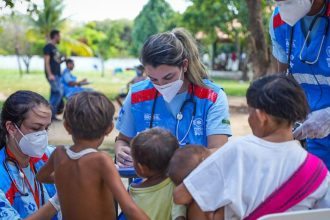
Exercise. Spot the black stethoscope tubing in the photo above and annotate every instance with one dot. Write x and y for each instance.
(190, 100)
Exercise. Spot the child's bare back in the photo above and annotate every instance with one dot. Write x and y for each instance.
(81, 186)
(87, 181)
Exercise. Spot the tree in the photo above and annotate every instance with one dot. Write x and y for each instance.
(48, 16)
(152, 19)
(209, 15)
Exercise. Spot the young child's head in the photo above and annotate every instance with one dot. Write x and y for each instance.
(152, 151)
(89, 116)
(186, 160)
(69, 64)
(275, 102)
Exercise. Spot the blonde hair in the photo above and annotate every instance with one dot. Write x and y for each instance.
(172, 48)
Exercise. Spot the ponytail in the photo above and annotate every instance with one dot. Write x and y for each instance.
(196, 70)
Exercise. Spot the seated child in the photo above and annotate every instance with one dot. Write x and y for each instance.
(151, 152)
(267, 172)
(70, 83)
(183, 162)
(87, 181)
(139, 70)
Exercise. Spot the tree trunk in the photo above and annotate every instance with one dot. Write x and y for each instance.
(18, 61)
(214, 53)
(259, 51)
(26, 61)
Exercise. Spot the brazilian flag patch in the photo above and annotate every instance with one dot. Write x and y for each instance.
(225, 121)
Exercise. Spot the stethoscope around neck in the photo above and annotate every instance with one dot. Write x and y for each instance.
(22, 192)
(310, 29)
(179, 116)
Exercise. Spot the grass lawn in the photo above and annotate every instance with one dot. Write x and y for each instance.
(111, 85)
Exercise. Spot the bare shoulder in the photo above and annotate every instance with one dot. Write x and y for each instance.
(104, 160)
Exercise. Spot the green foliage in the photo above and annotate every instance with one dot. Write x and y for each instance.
(156, 16)
(48, 17)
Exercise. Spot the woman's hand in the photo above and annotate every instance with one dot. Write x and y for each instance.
(123, 151)
(123, 157)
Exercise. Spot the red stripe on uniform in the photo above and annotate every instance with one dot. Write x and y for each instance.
(34, 160)
(10, 194)
(144, 95)
(277, 21)
(204, 93)
(328, 11)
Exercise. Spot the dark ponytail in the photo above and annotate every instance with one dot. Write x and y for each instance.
(16, 108)
(279, 96)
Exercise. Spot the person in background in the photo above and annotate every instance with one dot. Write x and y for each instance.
(71, 85)
(139, 70)
(53, 60)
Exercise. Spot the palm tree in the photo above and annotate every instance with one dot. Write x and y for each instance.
(49, 17)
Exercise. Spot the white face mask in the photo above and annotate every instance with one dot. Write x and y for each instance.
(293, 10)
(169, 90)
(33, 144)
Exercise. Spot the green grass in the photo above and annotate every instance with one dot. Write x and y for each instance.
(232, 87)
(11, 81)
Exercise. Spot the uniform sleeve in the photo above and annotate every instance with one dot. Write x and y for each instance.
(7, 212)
(217, 121)
(206, 183)
(278, 50)
(125, 123)
(178, 211)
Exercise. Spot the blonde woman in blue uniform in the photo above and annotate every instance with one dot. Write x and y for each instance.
(178, 96)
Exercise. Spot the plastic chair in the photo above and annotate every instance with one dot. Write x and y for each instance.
(316, 214)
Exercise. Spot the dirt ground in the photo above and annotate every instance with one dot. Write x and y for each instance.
(238, 110)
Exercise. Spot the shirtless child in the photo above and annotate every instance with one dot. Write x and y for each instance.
(183, 162)
(87, 181)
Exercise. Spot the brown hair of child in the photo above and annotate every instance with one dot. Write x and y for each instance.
(185, 160)
(154, 148)
(89, 115)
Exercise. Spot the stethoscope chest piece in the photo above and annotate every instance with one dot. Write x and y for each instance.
(179, 116)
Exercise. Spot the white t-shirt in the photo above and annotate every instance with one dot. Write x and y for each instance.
(243, 173)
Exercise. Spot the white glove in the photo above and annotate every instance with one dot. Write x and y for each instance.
(317, 125)
(55, 202)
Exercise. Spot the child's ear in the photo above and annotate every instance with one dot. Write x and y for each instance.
(142, 170)
(109, 129)
(262, 116)
(67, 127)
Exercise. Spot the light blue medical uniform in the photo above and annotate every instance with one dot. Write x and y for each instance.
(313, 78)
(211, 117)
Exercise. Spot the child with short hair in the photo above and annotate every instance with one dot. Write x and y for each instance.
(151, 152)
(267, 172)
(71, 85)
(183, 162)
(87, 181)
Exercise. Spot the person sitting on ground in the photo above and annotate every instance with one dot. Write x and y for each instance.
(264, 173)
(138, 78)
(183, 162)
(152, 151)
(70, 83)
(83, 176)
